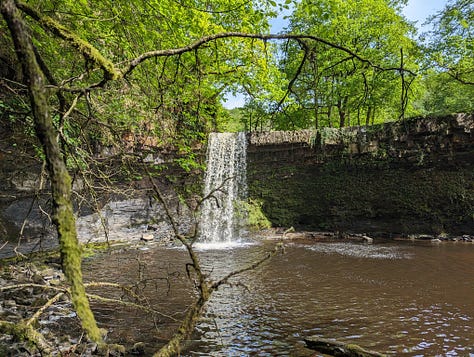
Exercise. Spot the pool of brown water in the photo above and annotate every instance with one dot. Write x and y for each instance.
(396, 298)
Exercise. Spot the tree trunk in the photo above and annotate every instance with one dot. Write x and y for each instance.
(367, 118)
(329, 116)
(340, 349)
(342, 113)
(315, 89)
(63, 216)
(316, 115)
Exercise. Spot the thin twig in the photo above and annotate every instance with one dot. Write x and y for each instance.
(43, 308)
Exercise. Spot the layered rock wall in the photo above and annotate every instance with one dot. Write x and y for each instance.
(414, 176)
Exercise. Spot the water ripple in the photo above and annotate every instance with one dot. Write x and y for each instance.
(396, 299)
(366, 251)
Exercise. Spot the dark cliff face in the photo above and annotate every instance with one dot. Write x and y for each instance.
(415, 176)
(121, 208)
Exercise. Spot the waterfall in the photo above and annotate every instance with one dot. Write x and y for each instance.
(225, 186)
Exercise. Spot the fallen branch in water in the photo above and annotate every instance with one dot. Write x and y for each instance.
(339, 349)
(173, 347)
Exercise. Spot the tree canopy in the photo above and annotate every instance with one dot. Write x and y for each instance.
(333, 86)
(78, 77)
(294, 84)
(450, 44)
(448, 80)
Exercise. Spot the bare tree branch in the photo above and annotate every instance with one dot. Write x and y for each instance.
(265, 37)
(225, 280)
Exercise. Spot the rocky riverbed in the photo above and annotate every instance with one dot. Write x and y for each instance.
(33, 291)
(25, 288)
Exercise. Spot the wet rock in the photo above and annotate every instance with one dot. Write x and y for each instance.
(147, 237)
(9, 304)
(45, 331)
(90, 349)
(112, 350)
(367, 240)
(426, 237)
(443, 237)
(25, 181)
(138, 349)
(52, 276)
(356, 237)
(48, 273)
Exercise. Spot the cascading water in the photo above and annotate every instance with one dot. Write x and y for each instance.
(225, 186)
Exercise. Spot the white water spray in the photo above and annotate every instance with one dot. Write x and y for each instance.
(225, 186)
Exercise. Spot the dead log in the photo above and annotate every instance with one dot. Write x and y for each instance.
(338, 349)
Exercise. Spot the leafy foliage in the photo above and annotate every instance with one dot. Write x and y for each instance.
(334, 89)
(166, 102)
(450, 44)
(443, 94)
(175, 101)
(448, 73)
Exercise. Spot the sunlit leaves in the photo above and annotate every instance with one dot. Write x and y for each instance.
(180, 96)
(333, 87)
(445, 95)
(451, 41)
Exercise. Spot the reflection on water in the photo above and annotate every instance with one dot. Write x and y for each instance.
(401, 299)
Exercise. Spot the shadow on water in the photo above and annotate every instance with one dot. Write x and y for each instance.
(413, 300)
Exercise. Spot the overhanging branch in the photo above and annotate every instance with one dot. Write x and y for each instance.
(458, 77)
(265, 37)
(89, 51)
(112, 71)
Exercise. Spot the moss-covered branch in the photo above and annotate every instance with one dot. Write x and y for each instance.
(25, 332)
(43, 308)
(337, 348)
(264, 37)
(63, 215)
(84, 47)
